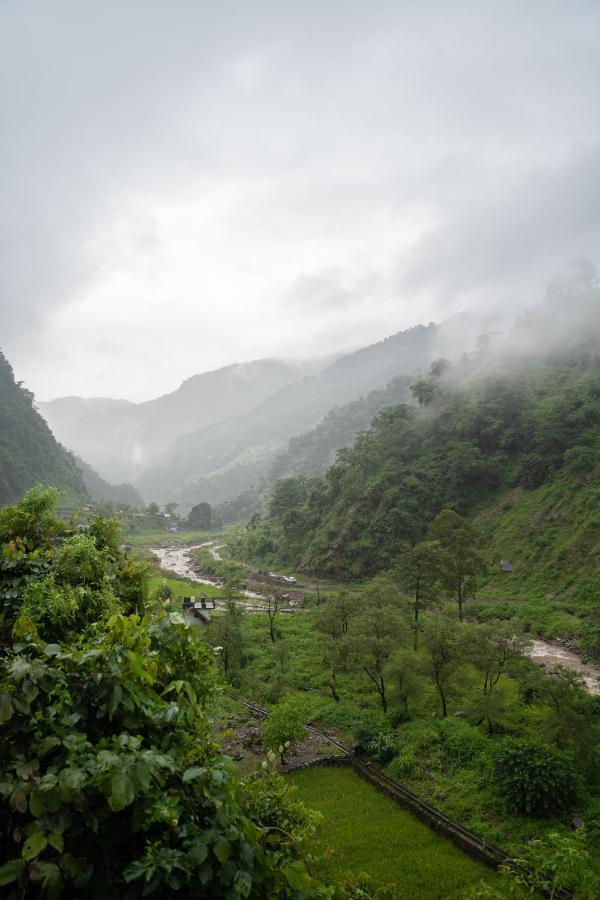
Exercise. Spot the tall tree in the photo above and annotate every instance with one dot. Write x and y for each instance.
(332, 619)
(377, 631)
(443, 655)
(460, 562)
(418, 574)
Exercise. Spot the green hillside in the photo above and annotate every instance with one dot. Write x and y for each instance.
(29, 452)
(510, 436)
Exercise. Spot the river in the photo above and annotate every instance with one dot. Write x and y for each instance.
(179, 561)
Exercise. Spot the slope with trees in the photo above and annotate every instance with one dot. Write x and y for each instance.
(28, 451)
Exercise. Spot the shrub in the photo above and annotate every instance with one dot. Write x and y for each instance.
(381, 747)
(534, 778)
(284, 727)
(461, 743)
(402, 765)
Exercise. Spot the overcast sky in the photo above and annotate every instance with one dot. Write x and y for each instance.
(188, 184)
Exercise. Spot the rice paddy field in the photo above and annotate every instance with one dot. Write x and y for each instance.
(364, 832)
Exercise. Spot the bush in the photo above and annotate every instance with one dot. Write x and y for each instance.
(461, 743)
(535, 779)
(284, 727)
(381, 747)
(402, 765)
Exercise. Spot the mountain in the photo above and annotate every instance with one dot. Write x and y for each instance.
(29, 452)
(99, 489)
(216, 463)
(510, 434)
(120, 439)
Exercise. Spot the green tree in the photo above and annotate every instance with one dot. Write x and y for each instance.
(443, 646)
(461, 565)
(376, 632)
(332, 619)
(200, 516)
(418, 571)
(227, 634)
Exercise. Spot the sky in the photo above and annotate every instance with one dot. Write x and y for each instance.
(188, 184)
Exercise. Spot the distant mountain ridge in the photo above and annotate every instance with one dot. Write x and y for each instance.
(29, 453)
(217, 463)
(119, 438)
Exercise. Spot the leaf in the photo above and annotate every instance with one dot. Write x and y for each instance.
(193, 772)
(296, 875)
(6, 708)
(52, 649)
(20, 801)
(222, 849)
(34, 845)
(122, 792)
(37, 807)
(11, 870)
(56, 840)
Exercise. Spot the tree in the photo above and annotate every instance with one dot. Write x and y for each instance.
(200, 516)
(443, 645)
(272, 608)
(460, 562)
(418, 573)
(492, 647)
(284, 727)
(376, 632)
(404, 675)
(170, 508)
(110, 782)
(153, 509)
(332, 619)
(423, 391)
(226, 632)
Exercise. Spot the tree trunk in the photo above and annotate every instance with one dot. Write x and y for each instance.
(334, 692)
(416, 626)
(460, 602)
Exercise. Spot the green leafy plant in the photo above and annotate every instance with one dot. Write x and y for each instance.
(535, 779)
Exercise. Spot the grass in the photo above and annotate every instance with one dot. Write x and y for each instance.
(364, 831)
(160, 537)
(181, 587)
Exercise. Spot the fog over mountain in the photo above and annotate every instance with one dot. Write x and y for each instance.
(186, 187)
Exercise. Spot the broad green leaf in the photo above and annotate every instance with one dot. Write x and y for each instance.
(56, 840)
(34, 845)
(11, 870)
(122, 792)
(193, 772)
(6, 708)
(37, 807)
(296, 875)
(222, 849)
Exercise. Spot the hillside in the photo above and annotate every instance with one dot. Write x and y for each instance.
(120, 439)
(216, 463)
(490, 433)
(100, 489)
(28, 451)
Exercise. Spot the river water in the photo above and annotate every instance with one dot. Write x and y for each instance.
(179, 561)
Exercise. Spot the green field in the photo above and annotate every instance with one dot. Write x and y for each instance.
(366, 832)
(160, 537)
(181, 587)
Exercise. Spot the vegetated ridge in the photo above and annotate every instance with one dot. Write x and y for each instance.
(29, 453)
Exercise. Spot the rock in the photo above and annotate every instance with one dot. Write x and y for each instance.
(237, 755)
(577, 823)
(460, 714)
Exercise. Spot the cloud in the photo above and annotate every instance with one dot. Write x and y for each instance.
(187, 185)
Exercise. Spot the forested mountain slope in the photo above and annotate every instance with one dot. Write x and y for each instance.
(28, 451)
(119, 439)
(490, 431)
(218, 462)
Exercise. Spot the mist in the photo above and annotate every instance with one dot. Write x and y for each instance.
(188, 188)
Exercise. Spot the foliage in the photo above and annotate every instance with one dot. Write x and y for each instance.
(29, 453)
(111, 784)
(284, 727)
(200, 516)
(534, 778)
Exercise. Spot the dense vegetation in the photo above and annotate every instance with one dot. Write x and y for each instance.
(111, 784)
(99, 489)
(28, 451)
(511, 435)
